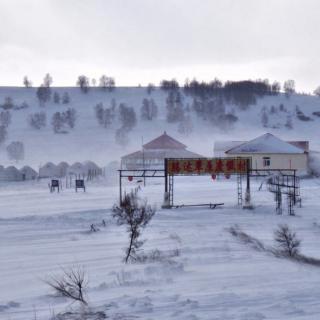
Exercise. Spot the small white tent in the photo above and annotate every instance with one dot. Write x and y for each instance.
(28, 173)
(11, 174)
(49, 170)
(62, 169)
(77, 169)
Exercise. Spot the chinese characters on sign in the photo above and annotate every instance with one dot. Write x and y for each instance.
(206, 166)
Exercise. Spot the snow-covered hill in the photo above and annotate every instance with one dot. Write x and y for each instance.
(88, 140)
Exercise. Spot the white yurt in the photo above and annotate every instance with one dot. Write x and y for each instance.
(2, 173)
(62, 168)
(11, 174)
(77, 169)
(28, 173)
(49, 170)
(90, 165)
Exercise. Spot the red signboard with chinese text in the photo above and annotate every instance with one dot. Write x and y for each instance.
(207, 166)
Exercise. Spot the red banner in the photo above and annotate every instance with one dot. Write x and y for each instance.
(206, 166)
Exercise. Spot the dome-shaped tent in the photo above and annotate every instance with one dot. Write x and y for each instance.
(77, 168)
(28, 173)
(12, 174)
(49, 170)
(62, 168)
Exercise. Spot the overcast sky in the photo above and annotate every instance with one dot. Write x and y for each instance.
(142, 41)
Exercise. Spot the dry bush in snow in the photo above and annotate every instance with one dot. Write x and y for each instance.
(70, 284)
(136, 215)
(287, 241)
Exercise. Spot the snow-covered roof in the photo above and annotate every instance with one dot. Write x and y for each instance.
(162, 154)
(63, 164)
(27, 169)
(266, 143)
(164, 142)
(224, 145)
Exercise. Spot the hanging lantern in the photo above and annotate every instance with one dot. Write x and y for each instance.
(130, 178)
(214, 177)
(227, 176)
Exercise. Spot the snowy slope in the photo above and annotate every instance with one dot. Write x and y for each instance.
(214, 277)
(90, 141)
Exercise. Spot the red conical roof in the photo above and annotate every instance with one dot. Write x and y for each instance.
(164, 142)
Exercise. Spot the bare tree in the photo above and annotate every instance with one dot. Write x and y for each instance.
(149, 109)
(37, 120)
(289, 87)
(70, 117)
(26, 82)
(65, 98)
(3, 134)
(127, 117)
(5, 118)
(15, 150)
(83, 83)
(57, 122)
(287, 241)
(107, 83)
(56, 97)
(8, 103)
(43, 94)
(71, 284)
(136, 215)
(150, 88)
(47, 80)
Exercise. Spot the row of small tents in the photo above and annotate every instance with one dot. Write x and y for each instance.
(85, 169)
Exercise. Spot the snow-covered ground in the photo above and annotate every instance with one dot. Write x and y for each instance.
(214, 277)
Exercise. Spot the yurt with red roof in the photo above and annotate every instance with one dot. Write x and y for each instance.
(154, 152)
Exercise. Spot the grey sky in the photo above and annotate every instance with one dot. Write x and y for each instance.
(141, 41)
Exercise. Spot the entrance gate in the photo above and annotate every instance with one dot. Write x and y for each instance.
(206, 166)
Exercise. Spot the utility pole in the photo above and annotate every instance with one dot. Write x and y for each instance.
(144, 176)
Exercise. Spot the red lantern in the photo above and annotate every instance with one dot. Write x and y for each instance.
(214, 177)
(130, 178)
(227, 176)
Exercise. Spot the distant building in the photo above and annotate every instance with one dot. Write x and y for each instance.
(28, 173)
(154, 152)
(267, 152)
(11, 174)
(77, 169)
(49, 170)
(62, 168)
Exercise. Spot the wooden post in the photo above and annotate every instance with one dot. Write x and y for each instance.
(165, 175)
(294, 188)
(166, 198)
(247, 204)
(120, 187)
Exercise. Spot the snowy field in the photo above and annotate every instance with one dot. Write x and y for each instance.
(214, 276)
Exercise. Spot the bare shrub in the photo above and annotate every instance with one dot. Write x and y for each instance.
(15, 150)
(5, 118)
(287, 241)
(70, 284)
(3, 134)
(135, 214)
(37, 120)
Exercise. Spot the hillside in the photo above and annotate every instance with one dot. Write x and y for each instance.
(89, 140)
